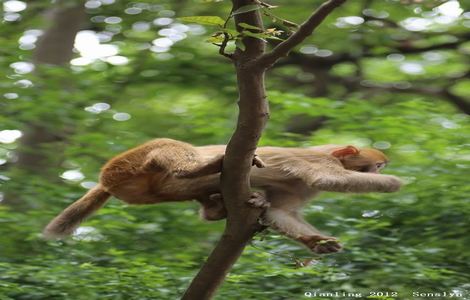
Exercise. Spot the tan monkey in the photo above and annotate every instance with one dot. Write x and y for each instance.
(168, 170)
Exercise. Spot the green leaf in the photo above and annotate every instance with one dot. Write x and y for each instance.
(272, 37)
(204, 20)
(240, 45)
(246, 8)
(260, 36)
(216, 39)
(231, 32)
(248, 26)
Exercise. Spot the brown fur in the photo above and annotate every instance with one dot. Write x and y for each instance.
(168, 170)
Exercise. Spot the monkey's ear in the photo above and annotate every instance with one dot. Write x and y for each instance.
(346, 151)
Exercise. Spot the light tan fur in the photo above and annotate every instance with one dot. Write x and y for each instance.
(168, 170)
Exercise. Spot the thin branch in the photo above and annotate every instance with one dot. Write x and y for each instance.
(441, 46)
(296, 58)
(409, 49)
(387, 22)
(305, 30)
(459, 102)
(264, 4)
(223, 45)
(284, 22)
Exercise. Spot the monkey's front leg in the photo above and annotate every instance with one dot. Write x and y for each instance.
(328, 176)
(356, 182)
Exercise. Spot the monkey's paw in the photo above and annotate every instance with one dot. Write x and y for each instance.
(217, 197)
(258, 200)
(393, 184)
(258, 162)
(213, 213)
(321, 244)
(215, 209)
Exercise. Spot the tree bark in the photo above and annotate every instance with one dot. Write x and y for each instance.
(56, 44)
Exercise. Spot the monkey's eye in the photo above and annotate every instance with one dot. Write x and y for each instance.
(380, 165)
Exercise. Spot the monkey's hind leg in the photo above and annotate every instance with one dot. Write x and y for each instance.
(213, 166)
(181, 160)
(294, 226)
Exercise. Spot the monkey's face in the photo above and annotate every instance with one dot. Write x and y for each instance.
(367, 166)
(365, 160)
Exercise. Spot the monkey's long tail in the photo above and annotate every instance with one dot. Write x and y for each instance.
(69, 219)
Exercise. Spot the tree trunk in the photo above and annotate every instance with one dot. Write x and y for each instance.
(54, 48)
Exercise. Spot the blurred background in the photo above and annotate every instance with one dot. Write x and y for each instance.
(83, 81)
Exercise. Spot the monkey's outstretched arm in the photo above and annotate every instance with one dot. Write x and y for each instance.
(337, 179)
(327, 174)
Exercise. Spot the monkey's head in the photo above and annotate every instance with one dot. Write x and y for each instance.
(366, 160)
(357, 159)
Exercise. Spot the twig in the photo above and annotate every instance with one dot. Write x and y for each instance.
(305, 30)
(459, 102)
(223, 45)
(264, 4)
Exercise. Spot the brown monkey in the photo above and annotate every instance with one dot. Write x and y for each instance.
(168, 170)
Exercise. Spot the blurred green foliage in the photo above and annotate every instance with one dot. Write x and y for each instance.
(414, 240)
